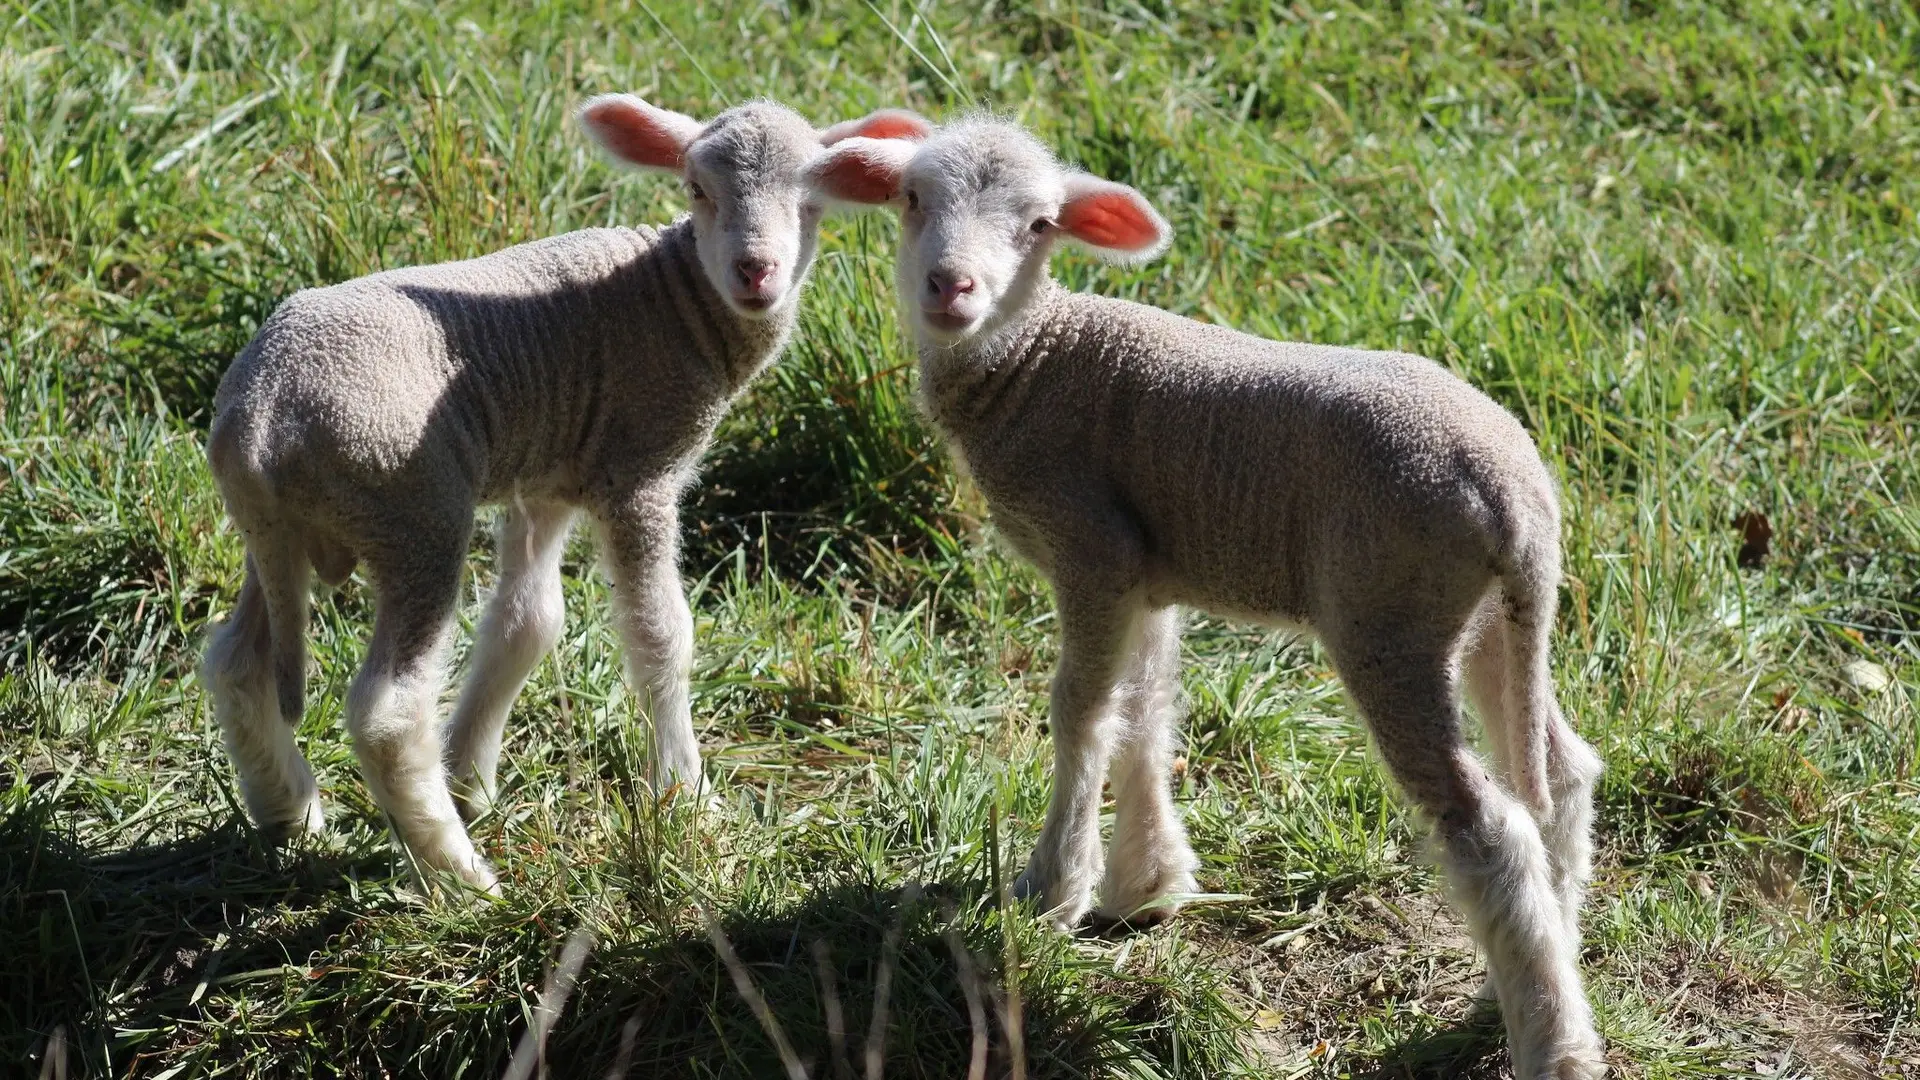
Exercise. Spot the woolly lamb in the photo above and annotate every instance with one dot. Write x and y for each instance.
(1143, 461)
(368, 420)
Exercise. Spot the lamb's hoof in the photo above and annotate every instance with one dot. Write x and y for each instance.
(445, 862)
(484, 883)
(1488, 996)
(1118, 920)
(1579, 1058)
(475, 879)
(1103, 924)
(475, 873)
(1146, 903)
(1583, 1067)
(1028, 885)
(308, 818)
(697, 795)
(1064, 914)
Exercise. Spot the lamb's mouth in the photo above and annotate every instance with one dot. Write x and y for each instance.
(948, 322)
(755, 304)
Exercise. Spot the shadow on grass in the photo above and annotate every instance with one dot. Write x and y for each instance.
(676, 1005)
(138, 936)
(215, 953)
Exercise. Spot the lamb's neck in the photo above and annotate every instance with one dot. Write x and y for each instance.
(731, 346)
(963, 384)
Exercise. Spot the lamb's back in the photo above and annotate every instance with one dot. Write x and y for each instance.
(1252, 466)
(1140, 382)
(362, 377)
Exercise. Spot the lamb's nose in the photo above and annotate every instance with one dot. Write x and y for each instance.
(948, 287)
(754, 272)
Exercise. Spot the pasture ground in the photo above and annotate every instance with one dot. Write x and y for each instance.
(1678, 240)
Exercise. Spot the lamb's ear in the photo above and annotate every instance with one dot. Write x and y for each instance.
(884, 124)
(638, 133)
(1114, 220)
(861, 170)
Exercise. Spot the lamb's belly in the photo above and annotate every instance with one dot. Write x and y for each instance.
(543, 463)
(1260, 599)
(1025, 543)
(546, 483)
(527, 463)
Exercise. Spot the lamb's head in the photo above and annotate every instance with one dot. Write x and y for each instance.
(982, 205)
(748, 174)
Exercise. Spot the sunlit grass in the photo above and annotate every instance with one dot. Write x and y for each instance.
(1678, 241)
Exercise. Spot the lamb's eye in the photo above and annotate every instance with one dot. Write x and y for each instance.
(913, 200)
(696, 190)
(1041, 225)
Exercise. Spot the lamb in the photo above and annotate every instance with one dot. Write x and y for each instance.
(1144, 462)
(367, 421)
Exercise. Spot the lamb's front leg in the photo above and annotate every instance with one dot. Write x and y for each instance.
(641, 549)
(1096, 631)
(523, 621)
(1150, 860)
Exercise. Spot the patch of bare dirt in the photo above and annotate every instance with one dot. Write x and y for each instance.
(1330, 986)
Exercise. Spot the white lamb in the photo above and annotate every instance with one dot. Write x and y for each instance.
(368, 420)
(1142, 461)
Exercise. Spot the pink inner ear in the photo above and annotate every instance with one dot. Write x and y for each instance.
(636, 136)
(893, 126)
(1110, 219)
(885, 124)
(856, 177)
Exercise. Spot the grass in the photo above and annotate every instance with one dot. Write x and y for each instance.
(1678, 240)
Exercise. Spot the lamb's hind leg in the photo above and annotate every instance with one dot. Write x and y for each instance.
(391, 705)
(1150, 858)
(241, 678)
(522, 622)
(1484, 667)
(1490, 847)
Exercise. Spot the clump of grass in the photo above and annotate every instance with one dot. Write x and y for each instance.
(1676, 240)
(106, 542)
(1711, 790)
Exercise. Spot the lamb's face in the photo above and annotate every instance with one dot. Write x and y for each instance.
(982, 205)
(979, 205)
(753, 177)
(756, 217)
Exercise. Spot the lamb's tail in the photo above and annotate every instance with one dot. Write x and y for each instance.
(1529, 587)
(1510, 673)
(271, 615)
(1550, 768)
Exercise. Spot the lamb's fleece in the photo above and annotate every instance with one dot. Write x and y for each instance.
(563, 368)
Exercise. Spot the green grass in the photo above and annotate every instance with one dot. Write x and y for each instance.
(1679, 240)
